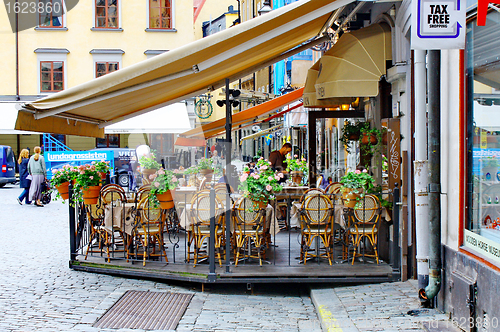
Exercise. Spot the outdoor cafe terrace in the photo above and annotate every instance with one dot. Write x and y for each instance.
(212, 235)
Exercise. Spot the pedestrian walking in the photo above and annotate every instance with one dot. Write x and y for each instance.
(24, 182)
(37, 169)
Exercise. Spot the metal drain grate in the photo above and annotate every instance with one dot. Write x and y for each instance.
(145, 311)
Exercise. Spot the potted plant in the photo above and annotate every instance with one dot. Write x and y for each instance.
(352, 132)
(102, 167)
(61, 179)
(206, 167)
(260, 185)
(355, 185)
(162, 186)
(88, 184)
(297, 167)
(148, 164)
(371, 140)
(191, 173)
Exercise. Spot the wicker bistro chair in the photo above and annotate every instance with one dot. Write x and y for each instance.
(364, 224)
(311, 192)
(249, 231)
(316, 215)
(148, 229)
(98, 235)
(333, 188)
(200, 227)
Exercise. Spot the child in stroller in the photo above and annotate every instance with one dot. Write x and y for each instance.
(46, 193)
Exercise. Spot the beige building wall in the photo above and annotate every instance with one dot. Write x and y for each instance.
(10, 140)
(80, 143)
(134, 140)
(28, 140)
(79, 40)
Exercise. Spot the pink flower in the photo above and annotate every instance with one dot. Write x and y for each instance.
(277, 178)
(269, 187)
(365, 171)
(82, 172)
(263, 167)
(93, 162)
(151, 176)
(270, 178)
(288, 157)
(176, 171)
(161, 171)
(91, 177)
(295, 156)
(174, 179)
(243, 177)
(357, 171)
(157, 184)
(256, 176)
(261, 158)
(281, 175)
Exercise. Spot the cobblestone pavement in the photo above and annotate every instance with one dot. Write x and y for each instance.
(38, 291)
(374, 307)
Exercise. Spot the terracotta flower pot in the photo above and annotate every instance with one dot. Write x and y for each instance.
(208, 173)
(63, 190)
(369, 138)
(91, 194)
(259, 205)
(297, 176)
(353, 137)
(349, 197)
(166, 200)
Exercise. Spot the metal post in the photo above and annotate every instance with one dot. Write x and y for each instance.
(211, 241)
(228, 154)
(396, 250)
(72, 226)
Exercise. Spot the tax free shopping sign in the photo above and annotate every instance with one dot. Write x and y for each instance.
(438, 25)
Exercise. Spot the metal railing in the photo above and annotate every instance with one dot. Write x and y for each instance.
(124, 241)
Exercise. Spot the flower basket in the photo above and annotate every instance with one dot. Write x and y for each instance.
(63, 190)
(349, 197)
(297, 176)
(166, 200)
(91, 194)
(369, 138)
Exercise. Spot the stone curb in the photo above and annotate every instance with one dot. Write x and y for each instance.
(331, 312)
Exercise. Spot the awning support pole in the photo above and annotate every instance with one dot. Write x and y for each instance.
(227, 155)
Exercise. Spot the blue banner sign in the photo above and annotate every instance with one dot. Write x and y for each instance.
(57, 159)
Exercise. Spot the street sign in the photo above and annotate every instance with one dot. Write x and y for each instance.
(438, 24)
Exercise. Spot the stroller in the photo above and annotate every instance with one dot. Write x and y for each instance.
(46, 193)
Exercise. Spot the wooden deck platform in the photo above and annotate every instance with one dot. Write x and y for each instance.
(282, 266)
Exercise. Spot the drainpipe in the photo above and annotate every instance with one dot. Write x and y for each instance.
(17, 58)
(434, 134)
(421, 170)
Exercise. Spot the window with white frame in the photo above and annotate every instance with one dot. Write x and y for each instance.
(52, 73)
(160, 14)
(107, 14)
(106, 61)
(51, 14)
(51, 76)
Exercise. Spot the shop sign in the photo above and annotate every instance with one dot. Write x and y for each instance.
(482, 245)
(438, 25)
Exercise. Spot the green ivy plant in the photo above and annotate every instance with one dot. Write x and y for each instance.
(352, 132)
